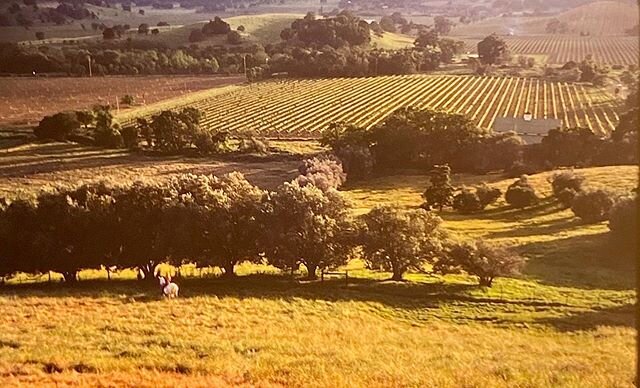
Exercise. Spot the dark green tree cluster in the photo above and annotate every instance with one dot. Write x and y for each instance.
(211, 221)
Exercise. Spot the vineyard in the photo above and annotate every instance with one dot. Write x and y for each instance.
(304, 108)
(27, 100)
(560, 50)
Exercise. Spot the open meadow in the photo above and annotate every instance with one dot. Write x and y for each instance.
(568, 320)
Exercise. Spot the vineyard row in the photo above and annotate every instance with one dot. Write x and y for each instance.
(303, 108)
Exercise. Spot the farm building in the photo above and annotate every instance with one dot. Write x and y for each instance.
(530, 130)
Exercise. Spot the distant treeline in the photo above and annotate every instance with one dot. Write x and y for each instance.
(331, 47)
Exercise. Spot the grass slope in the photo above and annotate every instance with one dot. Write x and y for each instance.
(567, 321)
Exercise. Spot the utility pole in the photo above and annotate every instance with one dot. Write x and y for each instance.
(89, 60)
(244, 60)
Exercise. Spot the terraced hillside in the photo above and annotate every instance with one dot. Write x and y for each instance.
(304, 108)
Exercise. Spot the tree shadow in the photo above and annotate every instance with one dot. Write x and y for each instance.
(586, 262)
(551, 227)
(619, 316)
(544, 207)
(403, 295)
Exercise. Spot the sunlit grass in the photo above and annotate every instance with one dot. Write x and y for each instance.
(568, 320)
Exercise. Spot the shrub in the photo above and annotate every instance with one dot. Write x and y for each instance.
(593, 205)
(474, 199)
(234, 37)
(253, 145)
(565, 186)
(324, 172)
(521, 193)
(127, 99)
(566, 180)
(487, 194)
(398, 241)
(623, 223)
(57, 127)
(467, 201)
(130, 137)
(566, 197)
(212, 142)
(482, 260)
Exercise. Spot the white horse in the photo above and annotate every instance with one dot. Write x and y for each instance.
(169, 289)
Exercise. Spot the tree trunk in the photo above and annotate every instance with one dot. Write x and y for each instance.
(228, 269)
(486, 281)
(148, 271)
(70, 276)
(397, 275)
(311, 271)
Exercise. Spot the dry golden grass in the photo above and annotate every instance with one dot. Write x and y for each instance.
(27, 169)
(567, 321)
(273, 332)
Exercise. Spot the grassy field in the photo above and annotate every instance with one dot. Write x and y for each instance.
(26, 169)
(567, 321)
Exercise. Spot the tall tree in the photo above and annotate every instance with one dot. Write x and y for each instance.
(398, 241)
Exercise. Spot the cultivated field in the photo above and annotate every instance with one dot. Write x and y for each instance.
(561, 49)
(568, 321)
(25, 100)
(304, 108)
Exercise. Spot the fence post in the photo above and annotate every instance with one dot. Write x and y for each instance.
(321, 276)
(346, 277)
(49, 272)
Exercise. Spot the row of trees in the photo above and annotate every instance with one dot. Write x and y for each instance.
(414, 138)
(221, 222)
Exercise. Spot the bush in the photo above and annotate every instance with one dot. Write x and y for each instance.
(521, 193)
(57, 127)
(130, 137)
(127, 99)
(474, 199)
(593, 205)
(480, 259)
(566, 180)
(324, 172)
(212, 142)
(623, 223)
(467, 201)
(234, 37)
(565, 186)
(109, 137)
(253, 145)
(487, 194)
(566, 197)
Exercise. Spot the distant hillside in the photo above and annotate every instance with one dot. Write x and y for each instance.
(602, 17)
(597, 18)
